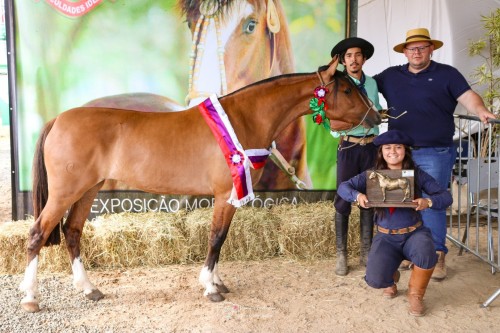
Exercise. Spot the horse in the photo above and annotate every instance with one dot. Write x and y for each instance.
(173, 152)
(389, 184)
(234, 43)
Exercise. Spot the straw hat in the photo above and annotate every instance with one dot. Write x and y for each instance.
(418, 35)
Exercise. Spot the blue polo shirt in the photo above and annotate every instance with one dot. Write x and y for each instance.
(430, 99)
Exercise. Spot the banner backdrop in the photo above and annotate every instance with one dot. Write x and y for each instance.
(142, 55)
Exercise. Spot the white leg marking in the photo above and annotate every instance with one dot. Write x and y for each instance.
(29, 284)
(217, 279)
(207, 280)
(80, 278)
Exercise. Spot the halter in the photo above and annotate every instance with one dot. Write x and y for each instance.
(368, 105)
(206, 18)
(196, 54)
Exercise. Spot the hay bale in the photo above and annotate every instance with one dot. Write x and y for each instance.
(136, 239)
(197, 228)
(353, 242)
(13, 246)
(13, 243)
(253, 235)
(303, 231)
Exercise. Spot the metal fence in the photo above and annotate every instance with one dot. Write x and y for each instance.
(473, 217)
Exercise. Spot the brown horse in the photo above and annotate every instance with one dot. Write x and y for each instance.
(254, 38)
(172, 152)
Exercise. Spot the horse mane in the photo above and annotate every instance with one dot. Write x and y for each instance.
(336, 76)
(191, 8)
(269, 79)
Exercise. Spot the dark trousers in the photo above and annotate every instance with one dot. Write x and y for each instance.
(387, 252)
(351, 162)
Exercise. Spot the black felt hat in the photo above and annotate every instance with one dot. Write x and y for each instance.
(393, 137)
(350, 42)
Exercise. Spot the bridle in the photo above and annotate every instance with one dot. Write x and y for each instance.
(368, 104)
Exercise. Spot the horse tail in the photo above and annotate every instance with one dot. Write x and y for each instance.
(40, 185)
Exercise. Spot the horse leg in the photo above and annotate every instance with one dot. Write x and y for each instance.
(209, 276)
(72, 229)
(408, 191)
(38, 235)
(383, 193)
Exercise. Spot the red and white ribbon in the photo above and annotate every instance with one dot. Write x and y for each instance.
(238, 159)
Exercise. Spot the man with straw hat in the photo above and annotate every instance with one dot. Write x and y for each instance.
(356, 151)
(426, 93)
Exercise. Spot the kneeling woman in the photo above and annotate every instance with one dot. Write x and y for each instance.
(401, 234)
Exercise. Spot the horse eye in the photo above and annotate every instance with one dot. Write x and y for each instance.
(347, 91)
(249, 26)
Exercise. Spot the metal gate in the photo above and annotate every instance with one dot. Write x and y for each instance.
(473, 217)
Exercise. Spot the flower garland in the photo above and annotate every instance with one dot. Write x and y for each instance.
(318, 106)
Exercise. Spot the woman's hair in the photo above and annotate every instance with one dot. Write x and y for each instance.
(381, 164)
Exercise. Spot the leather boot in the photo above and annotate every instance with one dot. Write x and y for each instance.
(392, 291)
(419, 280)
(341, 230)
(440, 270)
(365, 233)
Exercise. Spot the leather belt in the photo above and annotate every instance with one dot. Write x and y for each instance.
(361, 140)
(401, 231)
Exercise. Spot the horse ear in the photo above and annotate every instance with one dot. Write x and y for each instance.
(273, 19)
(332, 66)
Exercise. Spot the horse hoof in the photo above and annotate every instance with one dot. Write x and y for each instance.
(95, 295)
(215, 297)
(31, 307)
(222, 288)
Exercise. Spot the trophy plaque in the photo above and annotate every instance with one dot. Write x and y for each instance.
(390, 188)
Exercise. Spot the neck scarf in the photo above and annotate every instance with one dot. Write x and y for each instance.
(361, 84)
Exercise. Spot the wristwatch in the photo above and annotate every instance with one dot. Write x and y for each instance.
(429, 202)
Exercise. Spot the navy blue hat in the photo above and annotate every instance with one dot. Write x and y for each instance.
(393, 137)
(351, 42)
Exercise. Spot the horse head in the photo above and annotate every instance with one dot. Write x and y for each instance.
(372, 175)
(253, 31)
(357, 109)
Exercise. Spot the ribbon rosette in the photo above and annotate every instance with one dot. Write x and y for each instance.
(237, 158)
(318, 106)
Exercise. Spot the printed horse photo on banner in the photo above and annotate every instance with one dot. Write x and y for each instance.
(83, 147)
(234, 43)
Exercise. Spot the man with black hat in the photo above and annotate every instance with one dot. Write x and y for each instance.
(356, 151)
(427, 92)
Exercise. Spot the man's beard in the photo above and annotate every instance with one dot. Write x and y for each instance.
(354, 71)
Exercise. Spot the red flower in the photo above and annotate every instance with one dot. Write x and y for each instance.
(318, 119)
(320, 92)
